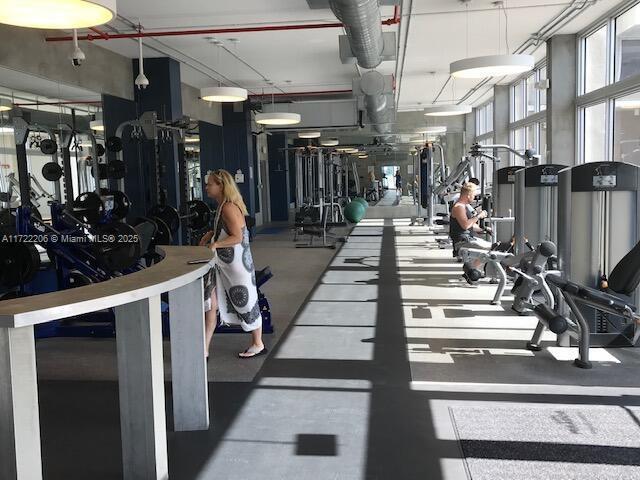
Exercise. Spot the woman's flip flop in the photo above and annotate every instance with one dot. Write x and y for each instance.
(250, 353)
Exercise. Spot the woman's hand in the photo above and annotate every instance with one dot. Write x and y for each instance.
(206, 238)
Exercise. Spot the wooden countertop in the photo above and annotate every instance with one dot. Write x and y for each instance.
(171, 273)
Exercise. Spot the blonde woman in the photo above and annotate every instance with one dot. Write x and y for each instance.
(231, 288)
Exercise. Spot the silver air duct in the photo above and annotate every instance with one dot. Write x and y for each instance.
(377, 101)
(363, 23)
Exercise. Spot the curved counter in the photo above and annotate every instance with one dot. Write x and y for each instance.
(136, 301)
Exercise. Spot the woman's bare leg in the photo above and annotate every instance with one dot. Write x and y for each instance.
(210, 322)
(256, 343)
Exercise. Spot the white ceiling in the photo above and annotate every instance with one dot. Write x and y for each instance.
(435, 33)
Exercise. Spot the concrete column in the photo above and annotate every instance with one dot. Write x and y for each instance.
(561, 99)
(469, 129)
(239, 151)
(188, 369)
(141, 383)
(501, 115)
(20, 455)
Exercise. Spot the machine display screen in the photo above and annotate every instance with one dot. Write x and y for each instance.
(548, 179)
(604, 181)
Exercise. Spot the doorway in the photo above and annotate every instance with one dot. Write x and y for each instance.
(389, 176)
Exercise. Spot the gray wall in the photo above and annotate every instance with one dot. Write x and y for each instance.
(25, 50)
(198, 109)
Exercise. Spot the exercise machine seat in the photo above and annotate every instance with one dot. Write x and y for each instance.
(625, 276)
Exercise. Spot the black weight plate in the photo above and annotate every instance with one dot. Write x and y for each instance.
(116, 169)
(198, 214)
(5, 197)
(102, 169)
(168, 214)
(163, 234)
(121, 204)
(99, 150)
(117, 248)
(114, 144)
(52, 171)
(88, 207)
(48, 146)
(19, 263)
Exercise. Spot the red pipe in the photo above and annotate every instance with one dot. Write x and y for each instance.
(209, 31)
(302, 94)
(99, 32)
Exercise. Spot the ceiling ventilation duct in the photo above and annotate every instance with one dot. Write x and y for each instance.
(363, 24)
(375, 97)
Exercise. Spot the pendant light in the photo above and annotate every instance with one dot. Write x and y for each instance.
(141, 81)
(57, 14)
(329, 142)
(493, 65)
(309, 134)
(220, 93)
(446, 110)
(5, 105)
(278, 118)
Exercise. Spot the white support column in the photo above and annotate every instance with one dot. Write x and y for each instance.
(141, 383)
(20, 455)
(188, 366)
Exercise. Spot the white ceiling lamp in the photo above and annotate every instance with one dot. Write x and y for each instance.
(141, 81)
(192, 140)
(223, 94)
(5, 105)
(220, 93)
(97, 124)
(57, 14)
(278, 118)
(446, 110)
(433, 130)
(329, 142)
(491, 66)
(309, 134)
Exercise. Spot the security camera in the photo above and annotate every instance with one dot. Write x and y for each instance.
(77, 57)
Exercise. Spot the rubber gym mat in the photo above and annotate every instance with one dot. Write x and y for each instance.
(549, 442)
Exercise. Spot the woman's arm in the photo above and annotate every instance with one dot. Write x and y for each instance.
(234, 220)
(206, 238)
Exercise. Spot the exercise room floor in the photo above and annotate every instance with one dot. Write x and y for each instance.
(392, 368)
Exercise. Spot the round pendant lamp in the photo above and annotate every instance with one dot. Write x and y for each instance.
(57, 14)
(278, 118)
(446, 110)
(223, 94)
(491, 66)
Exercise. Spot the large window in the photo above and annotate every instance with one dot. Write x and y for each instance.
(627, 45)
(595, 60)
(484, 120)
(528, 104)
(609, 105)
(595, 122)
(626, 129)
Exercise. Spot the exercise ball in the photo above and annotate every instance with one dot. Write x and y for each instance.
(361, 201)
(354, 212)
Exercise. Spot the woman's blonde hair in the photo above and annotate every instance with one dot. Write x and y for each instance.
(230, 192)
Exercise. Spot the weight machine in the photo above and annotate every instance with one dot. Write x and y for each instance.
(322, 180)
